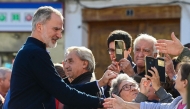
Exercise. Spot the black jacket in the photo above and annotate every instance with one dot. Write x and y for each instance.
(82, 79)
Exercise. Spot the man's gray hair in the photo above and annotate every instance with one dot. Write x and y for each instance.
(43, 14)
(84, 54)
(145, 37)
(117, 81)
(3, 71)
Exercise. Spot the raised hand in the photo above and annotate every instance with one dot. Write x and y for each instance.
(144, 86)
(114, 67)
(108, 75)
(119, 103)
(173, 47)
(114, 103)
(169, 67)
(155, 78)
(126, 67)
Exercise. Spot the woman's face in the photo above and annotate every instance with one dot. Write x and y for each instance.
(128, 90)
(178, 82)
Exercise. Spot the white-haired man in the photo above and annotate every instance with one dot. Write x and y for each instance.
(79, 66)
(5, 77)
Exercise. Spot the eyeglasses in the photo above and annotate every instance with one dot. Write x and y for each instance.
(128, 87)
(111, 50)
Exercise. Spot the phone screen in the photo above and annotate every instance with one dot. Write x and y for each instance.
(119, 49)
(149, 62)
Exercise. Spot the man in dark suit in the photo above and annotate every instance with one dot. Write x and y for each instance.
(34, 82)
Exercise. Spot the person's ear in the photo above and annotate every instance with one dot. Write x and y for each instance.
(85, 64)
(129, 50)
(185, 83)
(63, 63)
(38, 26)
(1, 81)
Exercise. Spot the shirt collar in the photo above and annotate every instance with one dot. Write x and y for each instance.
(36, 42)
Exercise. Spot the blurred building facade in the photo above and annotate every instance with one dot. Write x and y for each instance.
(15, 27)
(89, 22)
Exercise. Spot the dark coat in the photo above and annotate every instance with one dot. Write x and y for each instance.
(35, 83)
(82, 79)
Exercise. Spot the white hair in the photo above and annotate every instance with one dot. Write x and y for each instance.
(145, 37)
(84, 54)
(43, 14)
(3, 72)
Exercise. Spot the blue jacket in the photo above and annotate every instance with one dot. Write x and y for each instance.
(35, 83)
(173, 105)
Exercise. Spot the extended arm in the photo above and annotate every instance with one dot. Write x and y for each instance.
(119, 103)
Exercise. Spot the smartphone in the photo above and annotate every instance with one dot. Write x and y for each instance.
(119, 49)
(159, 63)
(149, 62)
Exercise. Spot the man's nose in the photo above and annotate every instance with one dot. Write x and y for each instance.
(141, 53)
(59, 35)
(66, 65)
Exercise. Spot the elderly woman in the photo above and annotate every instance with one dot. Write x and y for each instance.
(178, 103)
(125, 87)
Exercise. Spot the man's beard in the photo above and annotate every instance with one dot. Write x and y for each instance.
(48, 41)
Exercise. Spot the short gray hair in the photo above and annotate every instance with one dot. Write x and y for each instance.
(43, 14)
(145, 37)
(84, 54)
(3, 71)
(117, 81)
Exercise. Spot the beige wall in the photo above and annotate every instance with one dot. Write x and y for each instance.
(58, 52)
(11, 42)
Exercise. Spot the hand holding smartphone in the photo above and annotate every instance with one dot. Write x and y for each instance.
(158, 63)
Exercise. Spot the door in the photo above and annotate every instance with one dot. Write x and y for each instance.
(99, 31)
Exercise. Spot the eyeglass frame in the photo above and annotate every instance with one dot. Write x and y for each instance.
(124, 86)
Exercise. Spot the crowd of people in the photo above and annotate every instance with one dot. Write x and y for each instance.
(35, 82)
(173, 47)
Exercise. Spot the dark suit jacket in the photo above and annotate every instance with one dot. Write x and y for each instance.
(82, 79)
(35, 83)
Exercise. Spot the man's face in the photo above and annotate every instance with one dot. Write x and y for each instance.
(74, 66)
(112, 51)
(143, 48)
(5, 83)
(52, 30)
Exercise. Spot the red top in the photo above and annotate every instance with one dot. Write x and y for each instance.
(56, 103)
(181, 106)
